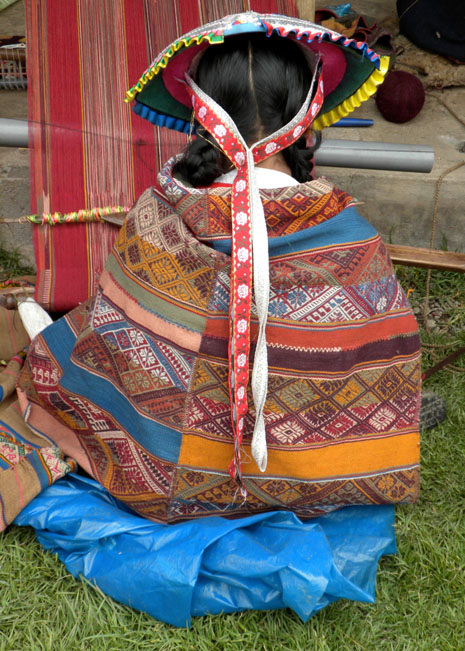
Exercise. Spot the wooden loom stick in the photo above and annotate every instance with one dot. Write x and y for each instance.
(409, 256)
(306, 9)
(412, 256)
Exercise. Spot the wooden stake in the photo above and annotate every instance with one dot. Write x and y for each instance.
(412, 256)
(306, 9)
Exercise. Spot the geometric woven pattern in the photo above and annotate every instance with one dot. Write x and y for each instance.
(136, 379)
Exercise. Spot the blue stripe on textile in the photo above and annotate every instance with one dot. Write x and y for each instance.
(349, 226)
(38, 467)
(1, 394)
(4, 465)
(158, 439)
(60, 337)
(16, 435)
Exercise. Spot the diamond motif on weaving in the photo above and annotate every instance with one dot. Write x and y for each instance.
(347, 265)
(209, 417)
(389, 383)
(153, 374)
(143, 219)
(335, 492)
(129, 471)
(153, 258)
(282, 492)
(164, 269)
(171, 239)
(319, 413)
(382, 418)
(383, 294)
(142, 364)
(208, 409)
(405, 401)
(308, 410)
(209, 214)
(319, 304)
(346, 258)
(282, 274)
(215, 490)
(379, 265)
(166, 367)
(293, 395)
(339, 426)
(350, 390)
(287, 432)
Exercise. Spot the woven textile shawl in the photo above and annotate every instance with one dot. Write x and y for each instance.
(134, 383)
(28, 462)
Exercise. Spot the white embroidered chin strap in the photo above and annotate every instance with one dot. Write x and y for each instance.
(249, 257)
(261, 286)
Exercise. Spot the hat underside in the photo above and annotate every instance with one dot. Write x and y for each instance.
(367, 70)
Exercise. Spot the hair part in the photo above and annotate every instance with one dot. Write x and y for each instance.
(261, 82)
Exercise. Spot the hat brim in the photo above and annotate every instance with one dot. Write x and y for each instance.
(162, 99)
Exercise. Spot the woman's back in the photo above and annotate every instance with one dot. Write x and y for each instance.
(148, 382)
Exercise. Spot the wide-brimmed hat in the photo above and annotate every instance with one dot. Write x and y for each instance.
(351, 70)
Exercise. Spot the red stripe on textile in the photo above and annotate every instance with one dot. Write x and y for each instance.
(67, 173)
(287, 7)
(106, 121)
(37, 100)
(142, 133)
(62, 181)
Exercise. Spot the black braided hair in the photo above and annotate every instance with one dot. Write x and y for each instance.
(281, 79)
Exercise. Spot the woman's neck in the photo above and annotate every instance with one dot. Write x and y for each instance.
(276, 162)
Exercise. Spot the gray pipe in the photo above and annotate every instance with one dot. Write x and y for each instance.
(13, 133)
(375, 155)
(332, 153)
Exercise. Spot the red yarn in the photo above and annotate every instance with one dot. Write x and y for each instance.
(401, 97)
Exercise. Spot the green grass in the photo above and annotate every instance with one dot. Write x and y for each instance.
(12, 263)
(420, 592)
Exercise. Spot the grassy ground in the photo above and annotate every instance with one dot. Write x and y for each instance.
(12, 263)
(420, 592)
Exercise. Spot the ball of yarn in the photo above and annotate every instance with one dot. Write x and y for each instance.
(401, 97)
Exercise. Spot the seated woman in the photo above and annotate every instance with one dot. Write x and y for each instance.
(249, 347)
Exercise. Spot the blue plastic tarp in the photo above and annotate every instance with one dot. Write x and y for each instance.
(213, 565)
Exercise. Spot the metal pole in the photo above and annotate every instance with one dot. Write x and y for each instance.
(13, 133)
(332, 153)
(396, 157)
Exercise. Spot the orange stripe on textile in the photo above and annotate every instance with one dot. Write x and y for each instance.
(336, 459)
